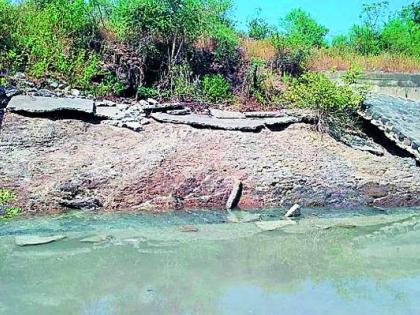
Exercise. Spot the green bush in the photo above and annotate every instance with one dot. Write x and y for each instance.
(6, 196)
(50, 38)
(291, 55)
(258, 28)
(299, 27)
(316, 91)
(144, 92)
(216, 89)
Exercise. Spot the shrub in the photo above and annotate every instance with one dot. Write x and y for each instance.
(144, 92)
(216, 89)
(301, 28)
(261, 83)
(291, 55)
(7, 212)
(334, 104)
(258, 28)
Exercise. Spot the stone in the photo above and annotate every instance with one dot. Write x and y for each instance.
(86, 203)
(161, 107)
(152, 101)
(133, 125)
(100, 238)
(184, 111)
(281, 121)
(45, 93)
(224, 114)
(3, 97)
(188, 229)
(29, 240)
(274, 225)
(75, 92)
(235, 195)
(362, 144)
(293, 212)
(205, 121)
(263, 114)
(12, 92)
(112, 113)
(105, 103)
(39, 104)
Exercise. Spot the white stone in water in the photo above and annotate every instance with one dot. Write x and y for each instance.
(293, 212)
(32, 240)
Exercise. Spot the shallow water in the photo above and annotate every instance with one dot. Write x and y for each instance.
(332, 263)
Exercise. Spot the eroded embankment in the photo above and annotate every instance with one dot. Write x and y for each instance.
(54, 165)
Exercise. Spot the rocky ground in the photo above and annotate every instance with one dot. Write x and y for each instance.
(57, 164)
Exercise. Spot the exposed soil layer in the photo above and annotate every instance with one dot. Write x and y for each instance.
(54, 165)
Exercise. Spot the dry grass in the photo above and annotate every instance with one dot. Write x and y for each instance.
(330, 59)
(261, 49)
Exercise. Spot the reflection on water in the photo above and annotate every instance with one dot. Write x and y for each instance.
(132, 265)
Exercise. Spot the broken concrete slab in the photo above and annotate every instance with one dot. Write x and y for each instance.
(184, 111)
(398, 118)
(224, 114)
(112, 113)
(40, 104)
(156, 107)
(210, 122)
(272, 114)
(281, 121)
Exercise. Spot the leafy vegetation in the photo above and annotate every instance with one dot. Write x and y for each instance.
(6, 212)
(189, 50)
(335, 104)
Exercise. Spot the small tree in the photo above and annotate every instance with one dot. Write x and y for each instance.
(301, 27)
(258, 28)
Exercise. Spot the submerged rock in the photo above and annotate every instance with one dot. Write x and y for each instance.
(274, 225)
(95, 239)
(32, 240)
(243, 217)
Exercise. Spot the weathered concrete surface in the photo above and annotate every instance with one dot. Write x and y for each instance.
(398, 118)
(169, 166)
(39, 104)
(404, 85)
(225, 123)
(210, 122)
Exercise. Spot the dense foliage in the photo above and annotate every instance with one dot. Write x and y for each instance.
(189, 50)
(7, 212)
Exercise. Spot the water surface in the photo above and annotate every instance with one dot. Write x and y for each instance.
(333, 263)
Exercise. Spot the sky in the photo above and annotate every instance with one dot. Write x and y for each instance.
(337, 15)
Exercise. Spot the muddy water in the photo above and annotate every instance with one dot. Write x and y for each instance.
(130, 264)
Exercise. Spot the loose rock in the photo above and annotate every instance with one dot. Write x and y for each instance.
(293, 212)
(234, 196)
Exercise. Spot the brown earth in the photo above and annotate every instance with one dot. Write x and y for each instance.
(54, 165)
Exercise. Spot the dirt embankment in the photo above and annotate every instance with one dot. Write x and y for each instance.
(54, 165)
